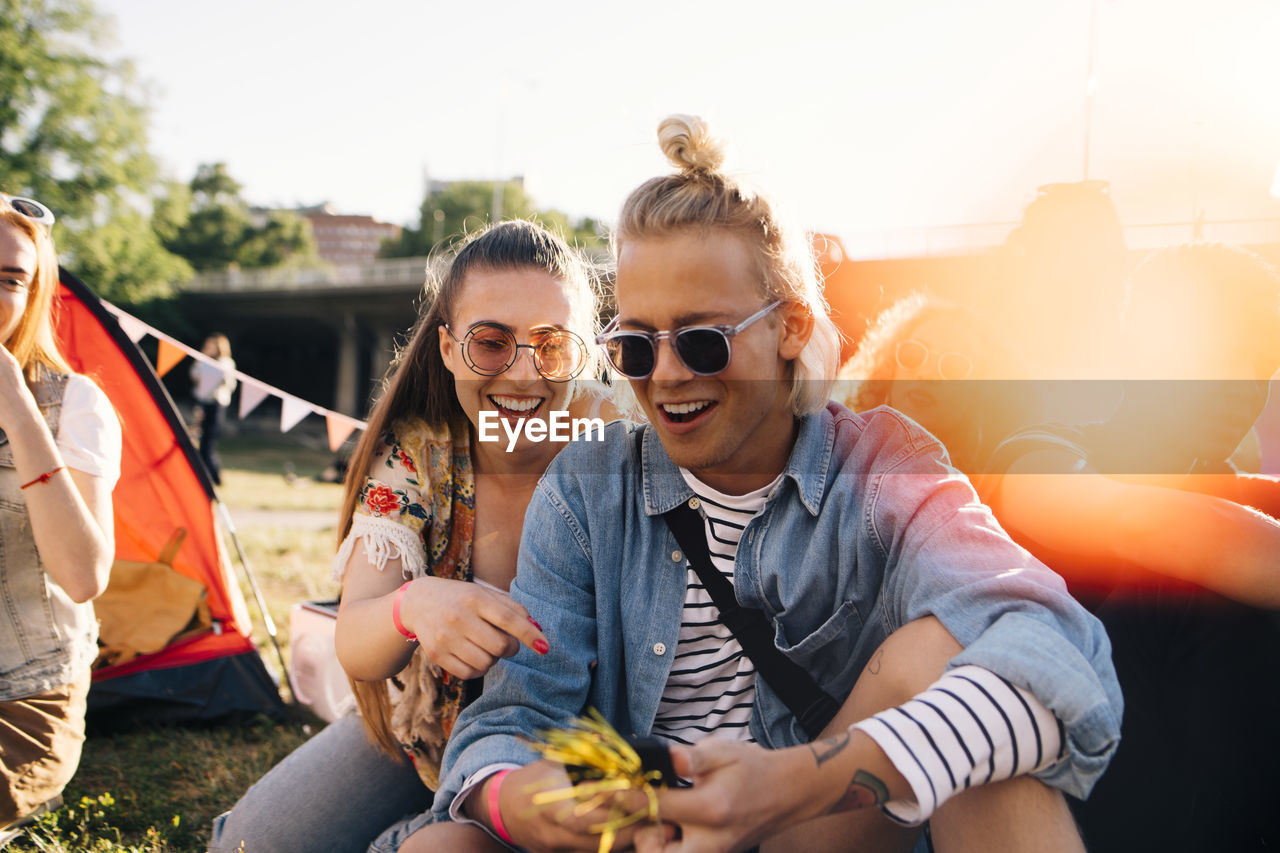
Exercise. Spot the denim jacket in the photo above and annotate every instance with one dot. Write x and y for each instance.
(870, 529)
(46, 639)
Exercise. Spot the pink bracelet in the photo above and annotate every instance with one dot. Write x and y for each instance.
(495, 816)
(395, 613)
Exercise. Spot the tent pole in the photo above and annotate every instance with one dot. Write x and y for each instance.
(267, 621)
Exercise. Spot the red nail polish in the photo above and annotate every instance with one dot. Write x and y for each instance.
(540, 646)
(535, 624)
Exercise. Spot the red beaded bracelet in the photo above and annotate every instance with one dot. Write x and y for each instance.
(395, 614)
(45, 477)
(495, 815)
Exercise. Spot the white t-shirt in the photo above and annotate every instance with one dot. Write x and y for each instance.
(214, 382)
(89, 435)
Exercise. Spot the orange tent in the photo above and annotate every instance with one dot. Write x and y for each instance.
(163, 488)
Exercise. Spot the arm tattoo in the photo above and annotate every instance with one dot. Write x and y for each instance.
(874, 666)
(864, 791)
(827, 749)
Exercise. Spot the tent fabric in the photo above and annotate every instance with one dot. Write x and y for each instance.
(163, 487)
(207, 691)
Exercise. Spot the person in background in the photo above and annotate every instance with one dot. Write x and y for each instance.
(59, 460)
(1061, 271)
(1176, 551)
(1184, 579)
(431, 521)
(940, 364)
(214, 384)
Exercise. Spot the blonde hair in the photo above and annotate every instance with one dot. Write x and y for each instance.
(32, 342)
(700, 196)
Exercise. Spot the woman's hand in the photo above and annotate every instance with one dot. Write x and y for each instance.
(465, 628)
(462, 627)
(17, 406)
(70, 512)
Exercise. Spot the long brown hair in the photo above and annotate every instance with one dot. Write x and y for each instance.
(32, 342)
(419, 384)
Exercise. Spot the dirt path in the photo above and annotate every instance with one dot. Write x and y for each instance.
(294, 519)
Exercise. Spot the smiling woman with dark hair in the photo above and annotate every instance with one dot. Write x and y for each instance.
(431, 521)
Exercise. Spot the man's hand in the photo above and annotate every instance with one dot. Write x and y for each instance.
(735, 801)
(549, 827)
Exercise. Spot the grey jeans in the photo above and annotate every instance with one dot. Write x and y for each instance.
(337, 792)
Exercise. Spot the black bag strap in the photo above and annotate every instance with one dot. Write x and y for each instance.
(812, 706)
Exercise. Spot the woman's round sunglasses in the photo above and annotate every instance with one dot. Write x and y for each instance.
(490, 349)
(704, 350)
(30, 208)
(913, 355)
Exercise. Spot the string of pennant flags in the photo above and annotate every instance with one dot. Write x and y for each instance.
(170, 352)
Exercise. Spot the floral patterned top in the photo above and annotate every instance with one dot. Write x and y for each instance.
(418, 504)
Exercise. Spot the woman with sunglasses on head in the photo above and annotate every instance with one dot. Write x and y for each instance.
(431, 524)
(910, 358)
(59, 460)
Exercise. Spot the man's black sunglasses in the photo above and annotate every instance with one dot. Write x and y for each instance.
(705, 350)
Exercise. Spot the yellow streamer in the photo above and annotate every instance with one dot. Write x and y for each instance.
(603, 768)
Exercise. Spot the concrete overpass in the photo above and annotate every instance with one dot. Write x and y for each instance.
(326, 334)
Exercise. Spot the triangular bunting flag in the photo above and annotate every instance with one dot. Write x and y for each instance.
(339, 429)
(292, 410)
(251, 394)
(131, 326)
(168, 357)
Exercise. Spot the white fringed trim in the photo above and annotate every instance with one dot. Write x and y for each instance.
(384, 540)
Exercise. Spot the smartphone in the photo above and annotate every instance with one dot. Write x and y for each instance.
(655, 755)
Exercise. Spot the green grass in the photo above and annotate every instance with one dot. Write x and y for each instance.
(262, 473)
(159, 789)
(156, 790)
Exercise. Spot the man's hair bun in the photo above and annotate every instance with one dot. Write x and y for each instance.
(689, 145)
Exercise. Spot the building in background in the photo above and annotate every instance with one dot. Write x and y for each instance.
(347, 239)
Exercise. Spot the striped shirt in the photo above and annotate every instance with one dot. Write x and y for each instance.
(712, 684)
(971, 727)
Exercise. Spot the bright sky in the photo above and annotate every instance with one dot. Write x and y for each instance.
(867, 119)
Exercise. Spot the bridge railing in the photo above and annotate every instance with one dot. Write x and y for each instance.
(915, 242)
(395, 271)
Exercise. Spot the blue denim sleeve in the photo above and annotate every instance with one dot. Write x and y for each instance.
(529, 692)
(947, 556)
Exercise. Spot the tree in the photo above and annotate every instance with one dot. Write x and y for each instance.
(460, 207)
(73, 135)
(209, 224)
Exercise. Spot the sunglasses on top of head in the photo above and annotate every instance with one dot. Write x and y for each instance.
(704, 350)
(490, 349)
(913, 355)
(30, 208)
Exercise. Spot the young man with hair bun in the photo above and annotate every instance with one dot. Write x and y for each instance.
(969, 688)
